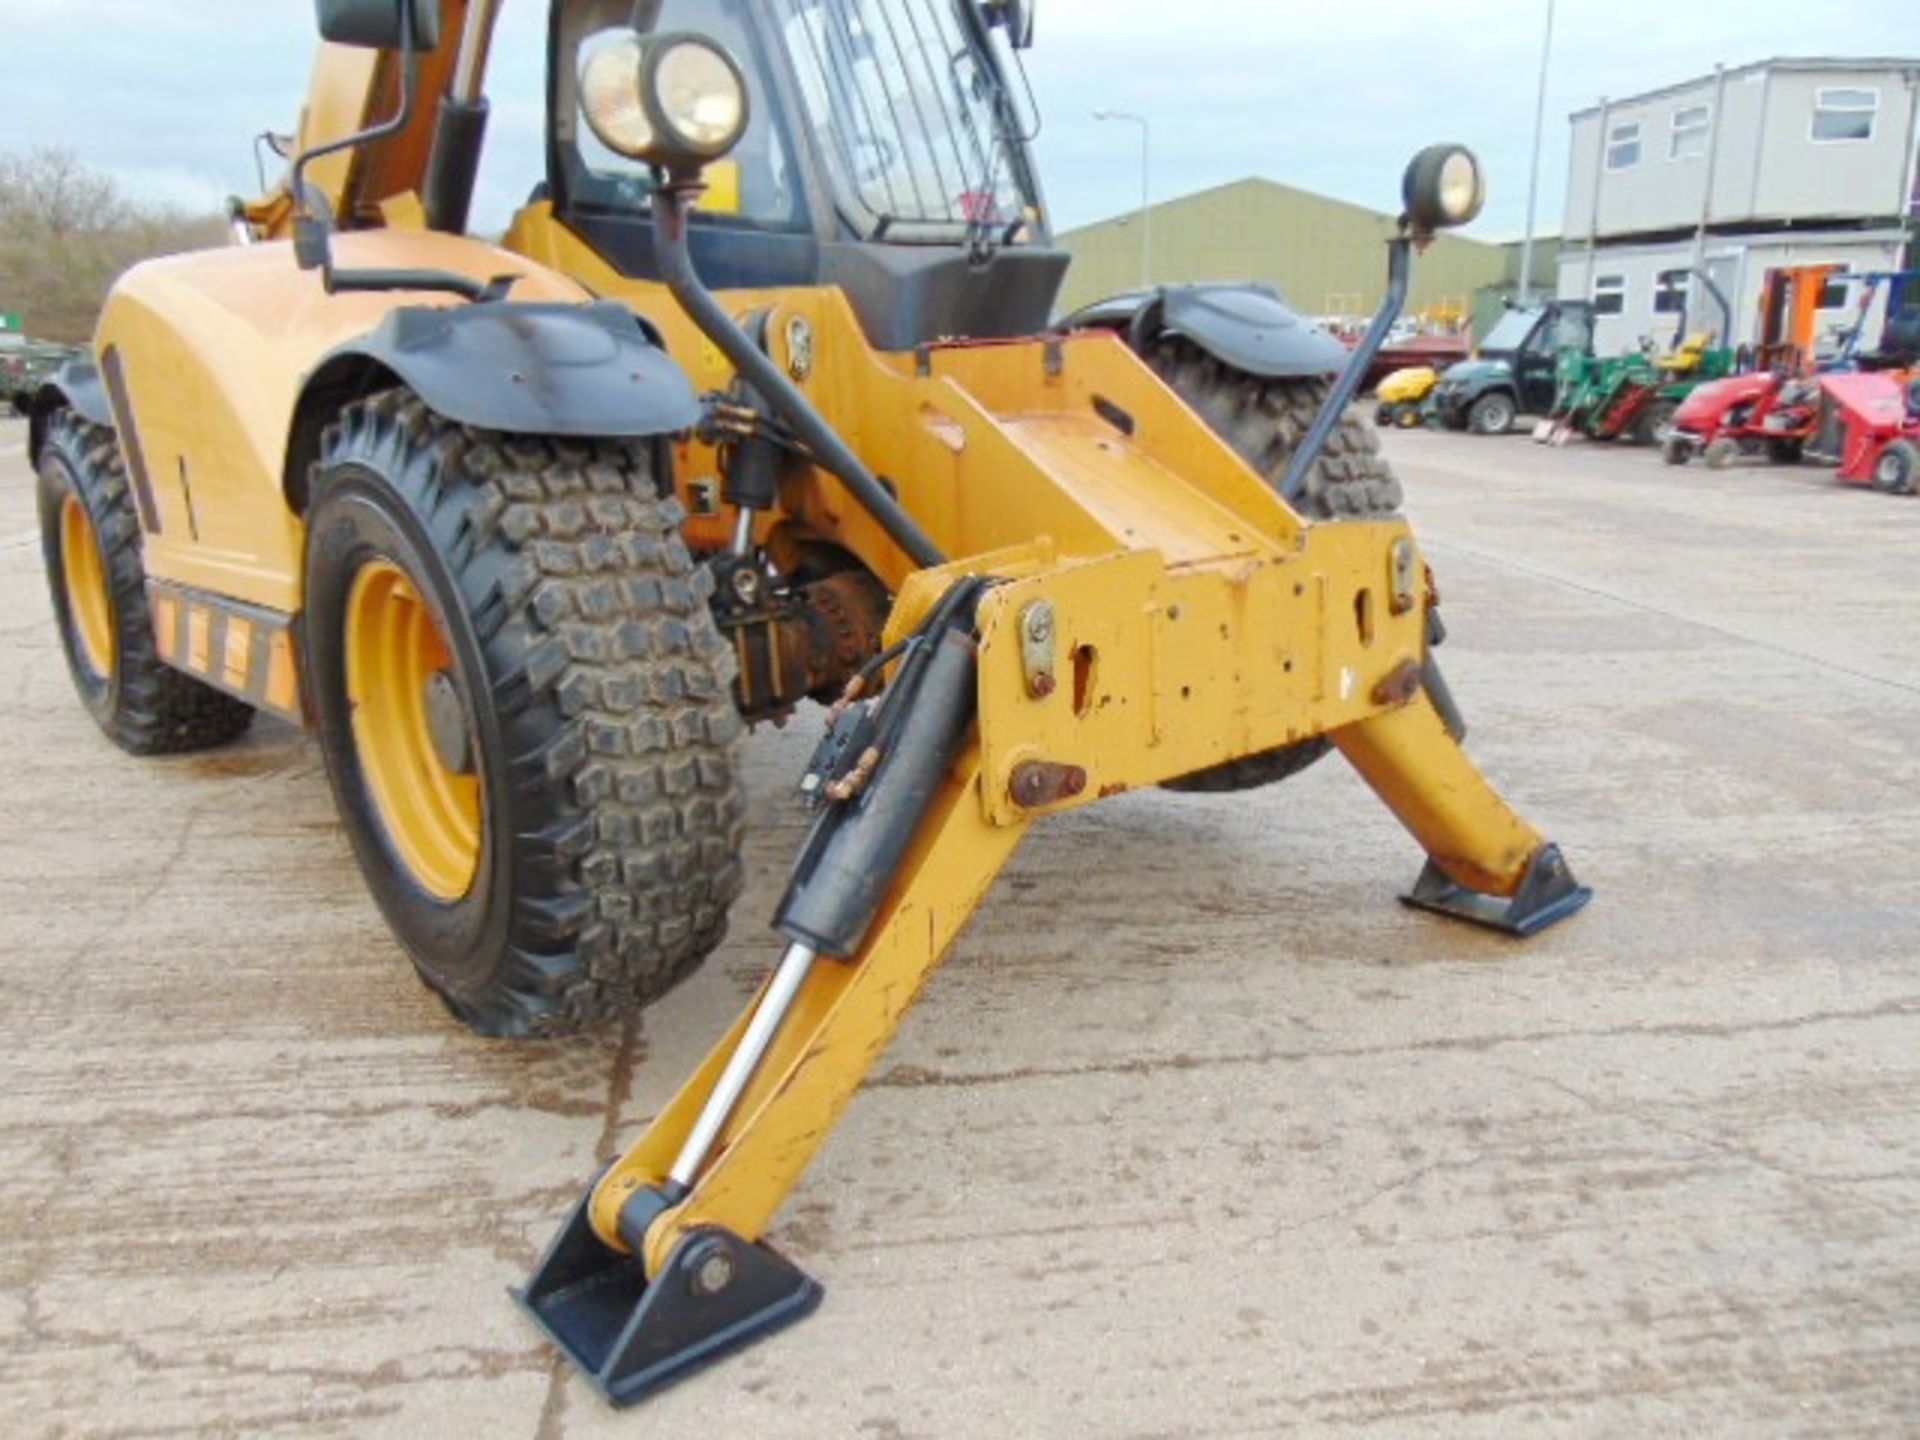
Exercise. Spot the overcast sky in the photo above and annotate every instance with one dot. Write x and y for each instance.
(1332, 95)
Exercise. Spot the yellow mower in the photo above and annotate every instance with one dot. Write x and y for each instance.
(1402, 395)
(758, 402)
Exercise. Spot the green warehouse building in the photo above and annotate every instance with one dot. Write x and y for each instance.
(1326, 256)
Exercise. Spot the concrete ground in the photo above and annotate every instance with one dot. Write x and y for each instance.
(1197, 1132)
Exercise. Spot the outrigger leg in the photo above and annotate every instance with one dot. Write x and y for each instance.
(889, 876)
(661, 1268)
(1484, 863)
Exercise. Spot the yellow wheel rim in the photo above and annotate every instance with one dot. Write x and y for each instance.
(89, 602)
(395, 654)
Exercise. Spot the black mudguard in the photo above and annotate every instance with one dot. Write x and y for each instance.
(1246, 326)
(529, 369)
(77, 387)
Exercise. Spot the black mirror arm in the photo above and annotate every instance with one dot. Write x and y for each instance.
(312, 232)
(1399, 271)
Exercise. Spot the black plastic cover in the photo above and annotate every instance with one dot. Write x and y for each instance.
(904, 295)
(78, 385)
(375, 24)
(1247, 326)
(534, 369)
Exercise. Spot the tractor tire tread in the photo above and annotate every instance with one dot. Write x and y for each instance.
(150, 708)
(606, 665)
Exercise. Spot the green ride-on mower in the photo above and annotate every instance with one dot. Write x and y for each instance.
(1633, 397)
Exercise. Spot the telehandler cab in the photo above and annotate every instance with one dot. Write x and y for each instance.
(758, 401)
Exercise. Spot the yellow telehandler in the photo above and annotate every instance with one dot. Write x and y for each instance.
(760, 399)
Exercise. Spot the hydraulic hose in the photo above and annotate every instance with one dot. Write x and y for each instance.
(672, 208)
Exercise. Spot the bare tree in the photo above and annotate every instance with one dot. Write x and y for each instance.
(66, 232)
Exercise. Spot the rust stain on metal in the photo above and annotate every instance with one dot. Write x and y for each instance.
(1400, 686)
(1038, 783)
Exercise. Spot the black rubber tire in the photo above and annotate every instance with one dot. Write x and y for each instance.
(1263, 420)
(1896, 470)
(1785, 452)
(1408, 417)
(1677, 450)
(598, 695)
(1492, 414)
(145, 706)
(1385, 415)
(1651, 425)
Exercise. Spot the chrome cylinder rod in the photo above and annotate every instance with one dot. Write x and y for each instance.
(745, 1062)
(476, 40)
(743, 532)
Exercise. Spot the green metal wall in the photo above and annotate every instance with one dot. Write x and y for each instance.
(1324, 255)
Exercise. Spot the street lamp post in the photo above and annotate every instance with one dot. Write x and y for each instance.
(1533, 180)
(1146, 187)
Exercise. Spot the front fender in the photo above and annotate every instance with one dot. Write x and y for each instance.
(76, 387)
(1246, 326)
(531, 368)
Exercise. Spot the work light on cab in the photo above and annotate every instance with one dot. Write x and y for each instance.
(675, 101)
(1444, 187)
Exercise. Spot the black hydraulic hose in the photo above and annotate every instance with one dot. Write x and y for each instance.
(857, 849)
(312, 233)
(1399, 268)
(673, 203)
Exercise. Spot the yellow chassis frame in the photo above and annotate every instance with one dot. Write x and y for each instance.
(1132, 734)
(1217, 624)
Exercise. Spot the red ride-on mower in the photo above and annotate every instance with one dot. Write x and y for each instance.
(1881, 415)
(1723, 418)
(1773, 404)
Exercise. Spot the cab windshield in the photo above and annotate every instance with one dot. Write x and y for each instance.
(912, 118)
(1510, 332)
(897, 108)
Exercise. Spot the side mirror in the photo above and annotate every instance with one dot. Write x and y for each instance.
(379, 24)
(1444, 187)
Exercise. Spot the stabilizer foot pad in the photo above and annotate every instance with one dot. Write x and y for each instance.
(1548, 893)
(631, 1337)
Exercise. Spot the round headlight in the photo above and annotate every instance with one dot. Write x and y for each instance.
(698, 96)
(610, 98)
(1444, 187)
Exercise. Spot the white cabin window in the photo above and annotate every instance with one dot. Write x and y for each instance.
(1609, 294)
(1623, 146)
(1692, 124)
(1834, 292)
(1842, 114)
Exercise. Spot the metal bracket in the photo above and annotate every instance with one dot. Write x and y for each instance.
(1038, 639)
(1548, 893)
(716, 1294)
(1404, 577)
